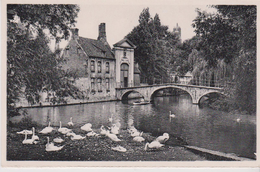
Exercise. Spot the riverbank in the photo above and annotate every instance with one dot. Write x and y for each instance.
(71, 101)
(201, 127)
(92, 148)
(99, 148)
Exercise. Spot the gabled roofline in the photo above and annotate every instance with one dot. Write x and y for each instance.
(118, 44)
(82, 48)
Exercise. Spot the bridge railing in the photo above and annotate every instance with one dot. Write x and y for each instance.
(208, 83)
(122, 85)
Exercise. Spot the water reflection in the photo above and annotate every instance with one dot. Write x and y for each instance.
(201, 127)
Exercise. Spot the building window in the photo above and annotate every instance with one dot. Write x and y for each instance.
(86, 67)
(124, 52)
(124, 75)
(99, 84)
(92, 66)
(92, 84)
(107, 85)
(99, 66)
(107, 67)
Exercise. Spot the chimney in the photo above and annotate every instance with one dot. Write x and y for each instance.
(102, 32)
(75, 33)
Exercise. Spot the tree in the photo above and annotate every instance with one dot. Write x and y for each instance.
(154, 47)
(31, 66)
(230, 35)
(56, 18)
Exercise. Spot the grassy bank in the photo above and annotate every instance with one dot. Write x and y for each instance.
(91, 148)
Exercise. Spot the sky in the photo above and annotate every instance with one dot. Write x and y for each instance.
(121, 18)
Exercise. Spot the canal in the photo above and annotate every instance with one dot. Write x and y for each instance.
(202, 127)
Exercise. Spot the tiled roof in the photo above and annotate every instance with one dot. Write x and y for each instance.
(95, 48)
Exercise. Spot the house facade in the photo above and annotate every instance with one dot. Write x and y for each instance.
(185, 79)
(94, 63)
(99, 68)
(125, 66)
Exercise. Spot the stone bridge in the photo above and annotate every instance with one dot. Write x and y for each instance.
(196, 92)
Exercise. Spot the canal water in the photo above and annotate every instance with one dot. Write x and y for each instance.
(202, 127)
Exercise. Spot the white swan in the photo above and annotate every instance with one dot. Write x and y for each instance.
(114, 129)
(103, 131)
(70, 123)
(50, 146)
(138, 139)
(163, 138)
(63, 130)
(86, 127)
(47, 130)
(28, 141)
(238, 120)
(34, 137)
(25, 131)
(119, 149)
(132, 129)
(171, 115)
(77, 137)
(113, 137)
(70, 133)
(136, 133)
(58, 140)
(153, 145)
(91, 134)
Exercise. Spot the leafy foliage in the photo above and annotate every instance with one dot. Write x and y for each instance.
(31, 65)
(155, 46)
(228, 42)
(56, 18)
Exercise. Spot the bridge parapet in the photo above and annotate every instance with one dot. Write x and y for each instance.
(195, 91)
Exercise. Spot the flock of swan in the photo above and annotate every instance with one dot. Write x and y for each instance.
(110, 132)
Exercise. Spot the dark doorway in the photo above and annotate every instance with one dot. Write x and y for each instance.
(125, 81)
(124, 75)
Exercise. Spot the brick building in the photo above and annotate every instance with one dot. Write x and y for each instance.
(94, 63)
(99, 68)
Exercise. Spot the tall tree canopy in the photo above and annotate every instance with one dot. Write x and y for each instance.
(230, 35)
(31, 65)
(155, 47)
(56, 18)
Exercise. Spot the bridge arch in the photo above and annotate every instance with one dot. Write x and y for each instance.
(165, 87)
(209, 92)
(126, 94)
